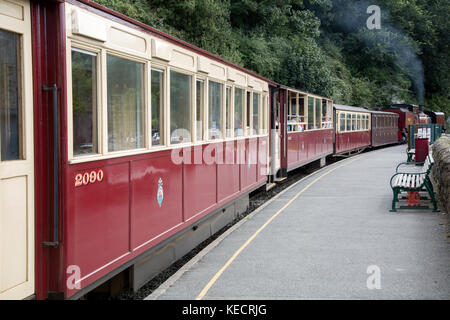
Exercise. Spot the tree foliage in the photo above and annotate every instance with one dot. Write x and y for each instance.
(322, 46)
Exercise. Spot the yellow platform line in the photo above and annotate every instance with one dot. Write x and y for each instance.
(253, 236)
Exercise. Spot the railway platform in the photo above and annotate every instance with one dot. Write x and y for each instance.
(329, 236)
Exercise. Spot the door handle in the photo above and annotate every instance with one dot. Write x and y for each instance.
(55, 241)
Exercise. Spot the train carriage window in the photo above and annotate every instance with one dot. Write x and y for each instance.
(342, 122)
(200, 93)
(157, 105)
(10, 97)
(266, 115)
(292, 106)
(125, 104)
(302, 113)
(228, 112)
(348, 121)
(215, 110)
(358, 122)
(310, 113)
(330, 114)
(318, 114)
(326, 115)
(238, 112)
(180, 107)
(84, 102)
(247, 113)
(256, 113)
(353, 122)
(367, 122)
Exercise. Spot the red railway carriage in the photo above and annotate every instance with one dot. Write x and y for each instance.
(306, 128)
(353, 127)
(122, 140)
(408, 114)
(437, 118)
(384, 128)
(405, 119)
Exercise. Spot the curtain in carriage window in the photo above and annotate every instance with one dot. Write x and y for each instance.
(125, 104)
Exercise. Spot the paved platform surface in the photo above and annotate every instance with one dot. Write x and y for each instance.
(322, 244)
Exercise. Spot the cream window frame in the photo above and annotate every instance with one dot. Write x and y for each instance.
(363, 116)
(252, 94)
(247, 112)
(264, 126)
(149, 64)
(329, 114)
(191, 111)
(342, 121)
(72, 44)
(145, 86)
(244, 109)
(222, 110)
(163, 123)
(203, 111)
(230, 116)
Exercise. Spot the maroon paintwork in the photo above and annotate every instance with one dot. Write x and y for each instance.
(350, 141)
(48, 49)
(112, 221)
(384, 128)
(307, 146)
(406, 118)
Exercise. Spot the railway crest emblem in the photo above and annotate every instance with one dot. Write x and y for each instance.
(160, 195)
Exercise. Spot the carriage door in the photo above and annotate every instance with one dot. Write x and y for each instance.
(16, 152)
(275, 130)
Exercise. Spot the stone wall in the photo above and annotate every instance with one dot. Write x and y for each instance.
(441, 171)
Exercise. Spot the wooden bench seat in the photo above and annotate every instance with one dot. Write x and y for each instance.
(416, 179)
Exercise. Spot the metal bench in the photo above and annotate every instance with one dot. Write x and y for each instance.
(415, 181)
